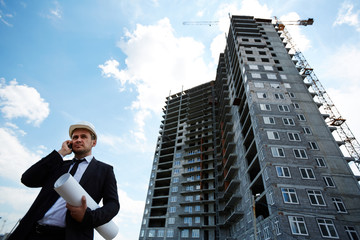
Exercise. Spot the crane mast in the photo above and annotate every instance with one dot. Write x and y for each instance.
(334, 118)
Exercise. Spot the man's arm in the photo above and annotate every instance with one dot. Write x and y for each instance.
(111, 205)
(37, 174)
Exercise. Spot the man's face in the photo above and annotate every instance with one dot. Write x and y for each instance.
(82, 142)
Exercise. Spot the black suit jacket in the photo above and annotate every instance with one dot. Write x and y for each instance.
(98, 181)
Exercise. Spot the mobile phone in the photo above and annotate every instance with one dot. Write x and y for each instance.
(70, 145)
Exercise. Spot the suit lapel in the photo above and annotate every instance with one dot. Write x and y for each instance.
(88, 172)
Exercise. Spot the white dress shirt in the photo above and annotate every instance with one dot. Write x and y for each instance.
(55, 216)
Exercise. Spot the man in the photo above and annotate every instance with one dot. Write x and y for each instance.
(50, 217)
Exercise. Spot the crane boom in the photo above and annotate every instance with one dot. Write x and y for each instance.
(334, 117)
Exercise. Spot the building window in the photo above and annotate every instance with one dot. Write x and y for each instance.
(171, 220)
(175, 180)
(301, 117)
(188, 220)
(255, 75)
(279, 96)
(266, 233)
(284, 108)
(313, 146)
(292, 95)
(316, 197)
(174, 189)
(296, 105)
(277, 152)
(151, 233)
(276, 226)
(173, 199)
(351, 233)
(320, 162)
(339, 205)
(189, 198)
(307, 130)
(161, 233)
(176, 171)
(327, 228)
(269, 120)
(144, 221)
(197, 208)
(289, 195)
(172, 209)
(271, 76)
(265, 107)
(248, 52)
(286, 85)
(272, 135)
(185, 233)
(307, 173)
(271, 197)
(283, 172)
(195, 233)
(188, 209)
(268, 68)
(294, 136)
(259, 84)
(142, 233)
(197, 219)
(300, 153)
(253, 67)
(262, 53)
(275, 85)
(261, 95)
(264, 59)
(288, 121)
(329, 181)
(297, 225)
(169, 233)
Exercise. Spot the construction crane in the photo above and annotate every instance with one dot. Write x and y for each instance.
(334, 117)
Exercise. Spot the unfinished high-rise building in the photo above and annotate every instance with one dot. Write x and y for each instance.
(249, 155)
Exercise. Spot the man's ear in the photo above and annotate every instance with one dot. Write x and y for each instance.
(94, 143)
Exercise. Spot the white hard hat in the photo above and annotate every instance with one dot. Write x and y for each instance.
(82, 124)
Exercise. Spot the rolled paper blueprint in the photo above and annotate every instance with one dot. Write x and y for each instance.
(71, 191)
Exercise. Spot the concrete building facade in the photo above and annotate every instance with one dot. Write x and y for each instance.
(249, 155)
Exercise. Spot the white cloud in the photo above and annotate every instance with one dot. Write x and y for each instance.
(299, 39)
(15, 158)
(347, 16)
(340, 70)
(14, 203)
(4, 17)
(19, 199)
(129, 217)
(22, 101)
(157, 62)
(56, 12)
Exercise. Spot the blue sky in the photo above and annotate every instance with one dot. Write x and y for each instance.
(113, 63)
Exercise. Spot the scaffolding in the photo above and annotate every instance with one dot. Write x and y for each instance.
(334, 118)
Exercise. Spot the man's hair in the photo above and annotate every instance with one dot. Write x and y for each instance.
(93, 137)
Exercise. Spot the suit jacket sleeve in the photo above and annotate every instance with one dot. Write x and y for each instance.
(38, 174)
(109, 195)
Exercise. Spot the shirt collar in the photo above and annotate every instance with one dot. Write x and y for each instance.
(88, 158)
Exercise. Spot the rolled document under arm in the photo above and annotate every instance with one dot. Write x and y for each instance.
(71, 191)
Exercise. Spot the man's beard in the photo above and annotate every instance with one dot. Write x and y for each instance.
(82, 151)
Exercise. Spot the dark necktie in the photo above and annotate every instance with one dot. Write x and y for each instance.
(74, 168)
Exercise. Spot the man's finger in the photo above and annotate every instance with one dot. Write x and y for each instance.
(83, 201)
